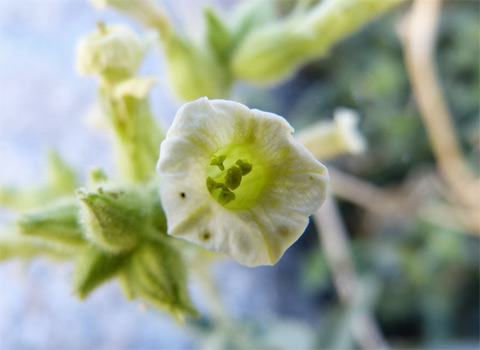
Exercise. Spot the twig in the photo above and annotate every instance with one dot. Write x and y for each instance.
(413, 198)
(334, 240)
(363, 194)
(417, 32)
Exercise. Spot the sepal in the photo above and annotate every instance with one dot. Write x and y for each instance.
(62, 178)
(57, 222)
(218, 36)
(94, 267)
(113, 219)
(156, 273)
(14, 245)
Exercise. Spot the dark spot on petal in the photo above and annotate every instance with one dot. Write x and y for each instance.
(183, 195)
(283, 231)
(206, 236)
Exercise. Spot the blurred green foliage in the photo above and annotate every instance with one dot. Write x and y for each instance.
(429, 275)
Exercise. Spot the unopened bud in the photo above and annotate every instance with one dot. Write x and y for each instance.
(331, 139)
(112, 219)
(193, 72)
(113, 52)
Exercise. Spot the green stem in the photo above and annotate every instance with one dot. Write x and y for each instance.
(137, 136)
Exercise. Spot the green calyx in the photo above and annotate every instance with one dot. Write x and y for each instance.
(232, 178)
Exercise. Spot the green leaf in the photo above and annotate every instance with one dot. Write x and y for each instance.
(61, 176)
(17, 246)
(56, 222)
(95, 267)
(61, 180)
(249, 15)
(218, 36)
(24, 199)
(137, 134)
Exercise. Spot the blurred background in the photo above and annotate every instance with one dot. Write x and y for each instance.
(419, 266)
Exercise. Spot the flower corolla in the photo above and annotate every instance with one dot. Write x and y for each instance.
(235, 181)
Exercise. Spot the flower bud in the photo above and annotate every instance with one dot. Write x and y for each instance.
(270, 53)
(192, 72)
(331, 139)
(113, 219)
(113, 52)
(273, 52)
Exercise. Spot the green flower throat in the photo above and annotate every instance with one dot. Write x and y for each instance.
(235, 177)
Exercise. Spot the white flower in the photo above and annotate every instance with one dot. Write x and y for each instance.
(235, 181)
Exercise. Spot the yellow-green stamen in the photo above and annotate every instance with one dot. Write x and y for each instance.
(218, 161)
(232, 179)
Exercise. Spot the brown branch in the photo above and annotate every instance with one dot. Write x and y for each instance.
(334, 238)
(418, 32)
(416, 197)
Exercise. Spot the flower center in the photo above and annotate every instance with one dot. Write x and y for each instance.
(235, 176)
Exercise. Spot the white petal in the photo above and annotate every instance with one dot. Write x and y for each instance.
(183, 199)
(347, 123)
(234, 233)
(202, 124)
(299, 183)
(279, 231)
(180, 155)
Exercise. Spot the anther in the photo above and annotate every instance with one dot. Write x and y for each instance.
(244, 166)
(226, 196)
(211, 184)
(218, 161)
(233, 178)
